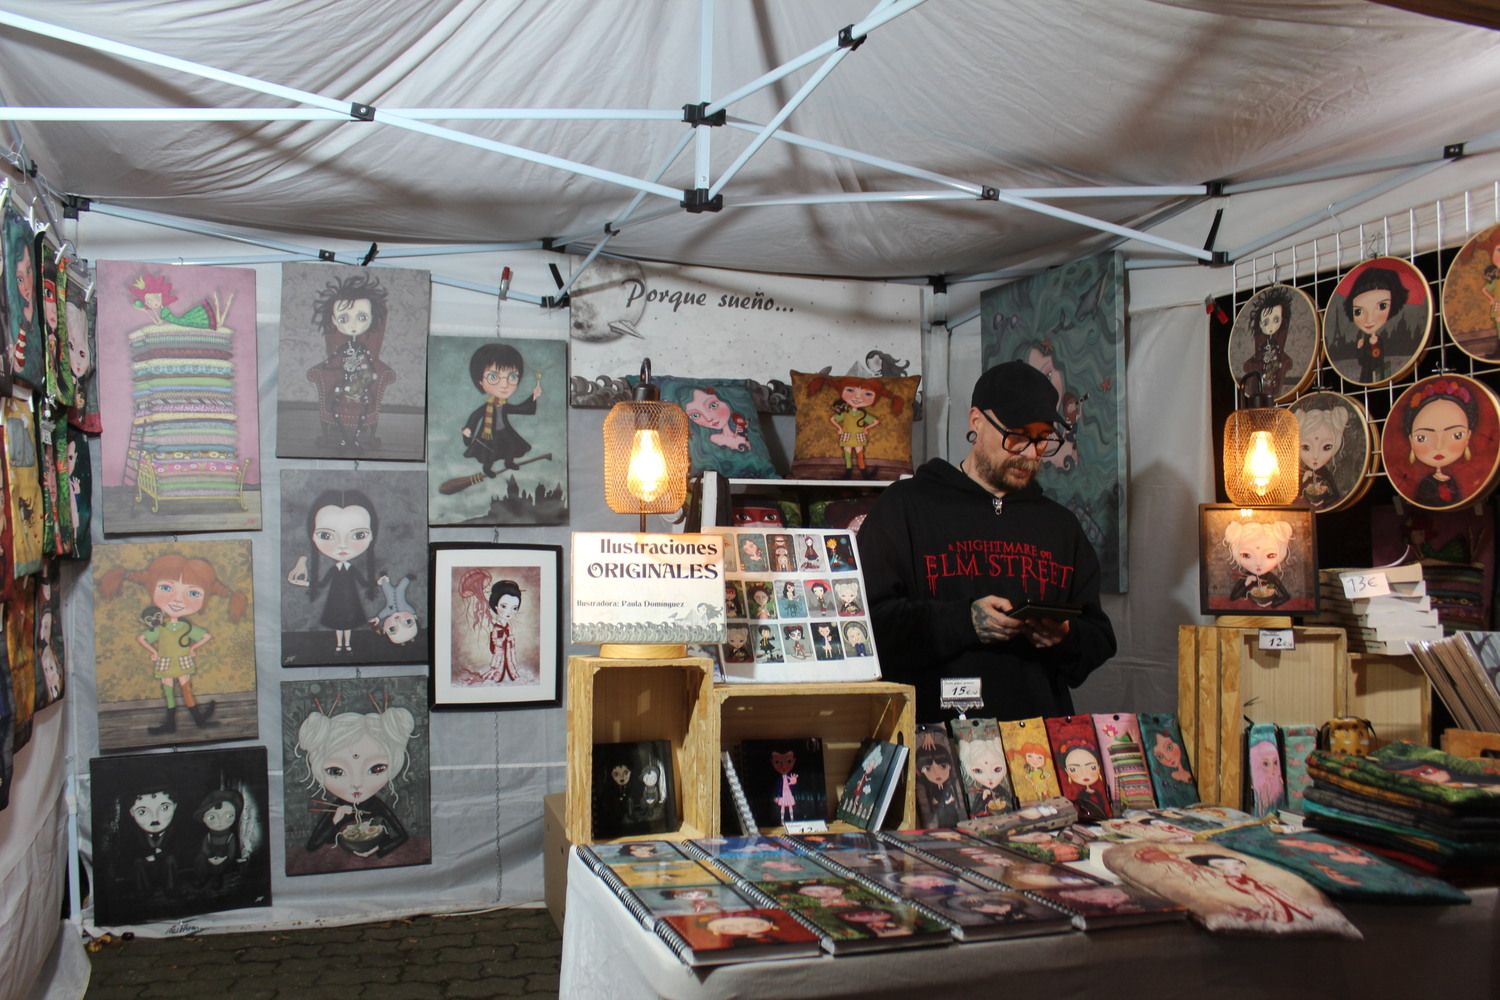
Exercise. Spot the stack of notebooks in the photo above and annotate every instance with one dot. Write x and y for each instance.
(718, 900)
(1465, 672)
(1382, 624)
(1439, 812)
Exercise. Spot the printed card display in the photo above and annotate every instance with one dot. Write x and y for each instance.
(644, 588)
(1076, 751)
(981, 759)
(1166, 758)
(177, 364)
(176, 835)
(795, 607)
(940, 794)
(355, 774)
(1124, 760)
(1030, 755)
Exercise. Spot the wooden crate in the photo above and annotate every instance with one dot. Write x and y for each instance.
(841, 715)
(1470, 742)
(618, 700)
(1393, 693)
(1222, 678)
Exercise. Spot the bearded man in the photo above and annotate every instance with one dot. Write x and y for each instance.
(949, 553)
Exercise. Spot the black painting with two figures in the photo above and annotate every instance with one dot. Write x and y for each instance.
(633, 791)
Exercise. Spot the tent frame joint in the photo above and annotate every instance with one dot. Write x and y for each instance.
(847, 39)
(696, 200)
(556, 301)
(1453, 151)
(697, 114)
(361, 112)
(939, 283)
(1213, 189)
(988, 193)
(1219, 258)
(328, 256)
(73, 204)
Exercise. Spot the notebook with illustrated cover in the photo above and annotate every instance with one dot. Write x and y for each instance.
(1124, 760)
(750, 935)
(1032, 775)
(783, 780)
(1099, 907)
(628, 877)
(853, 918)
(735, 797)
(1080, 773)
(940, 794)
(1045, 814)
(982, 765)
(1167, 759)
(872, 784)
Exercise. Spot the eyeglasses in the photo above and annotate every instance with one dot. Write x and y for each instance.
(1015, 442)
(493, 377)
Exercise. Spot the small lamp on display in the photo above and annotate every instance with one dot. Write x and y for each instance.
(645, 453)
(1260, 450)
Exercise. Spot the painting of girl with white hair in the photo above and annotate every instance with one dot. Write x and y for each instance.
(1335, 450)
(1257, 561)
(356, 760)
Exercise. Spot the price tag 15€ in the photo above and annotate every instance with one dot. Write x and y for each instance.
(1360, 585)
(1277, 638)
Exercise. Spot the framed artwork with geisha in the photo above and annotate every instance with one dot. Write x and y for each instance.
(1336, 450)
(1471, 296)
(1441, 443)
(1377, 321)
(1275, 338)
(1260, 560)
(496, 625)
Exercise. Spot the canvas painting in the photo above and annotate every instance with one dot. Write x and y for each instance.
(496, 625)
(1274, 342)
(497, 431)
(356, 761)
(1377, 320)
(1441, 444)
(1337, 445)
(352, 375)
(353, 567)
(1471, 296)
(177, 835)
(23, 325)
(174, 643)
(23, 482)
(784, 780)
(181, 445)
(622, 310)
(1261, 560)
(1069, 323)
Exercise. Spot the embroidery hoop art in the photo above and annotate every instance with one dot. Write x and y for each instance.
(1395, 450)
(1469, 316)
(1302, 310)
(1412, 279)
(1360, 482)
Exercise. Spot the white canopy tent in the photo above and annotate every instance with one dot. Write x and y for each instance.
(969, 140)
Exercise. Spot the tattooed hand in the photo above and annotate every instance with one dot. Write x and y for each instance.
(991, 623)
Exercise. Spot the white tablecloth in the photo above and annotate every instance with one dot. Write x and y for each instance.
(1408, 951)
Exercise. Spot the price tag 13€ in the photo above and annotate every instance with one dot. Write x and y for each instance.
(1360, 585)
(1277, 638)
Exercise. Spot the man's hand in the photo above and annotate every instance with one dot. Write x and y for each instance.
(1045, 632)
(991, 623)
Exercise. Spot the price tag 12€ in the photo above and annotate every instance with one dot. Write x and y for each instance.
(1360, 585)
(1277, 638)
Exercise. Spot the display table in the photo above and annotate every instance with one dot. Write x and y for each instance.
(1408, 951)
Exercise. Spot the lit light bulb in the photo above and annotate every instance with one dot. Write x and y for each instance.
(1261, 467)
(646, 477)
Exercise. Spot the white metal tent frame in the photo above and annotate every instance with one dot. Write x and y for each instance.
(706, 193)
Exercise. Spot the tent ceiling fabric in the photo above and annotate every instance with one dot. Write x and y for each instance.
(1021, 94)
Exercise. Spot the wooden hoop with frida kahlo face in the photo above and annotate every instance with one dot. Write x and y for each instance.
(1336, 450)
(1275, 336)
(1377, 321)
(1441, 443)
(1471, 296)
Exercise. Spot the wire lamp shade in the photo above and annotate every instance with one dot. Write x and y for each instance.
(1261, 444)
(645, 453)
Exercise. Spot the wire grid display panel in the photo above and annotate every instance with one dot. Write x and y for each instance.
(1428, 236)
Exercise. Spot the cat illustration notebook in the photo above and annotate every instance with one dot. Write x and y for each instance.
(1167, 759)
(1124, 760)
(981, 762)
(1079, 771)
(1030, 755)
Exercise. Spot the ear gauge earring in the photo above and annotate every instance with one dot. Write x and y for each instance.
(1411, 458)
(1467, 454)
(971, 437)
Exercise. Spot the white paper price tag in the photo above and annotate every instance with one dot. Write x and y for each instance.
(807, 826)
(1277, 638)
(961, 693)
(1359, 585)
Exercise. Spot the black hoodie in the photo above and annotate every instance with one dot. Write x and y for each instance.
(933, 545)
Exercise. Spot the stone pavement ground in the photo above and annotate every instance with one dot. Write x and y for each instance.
(506, 953)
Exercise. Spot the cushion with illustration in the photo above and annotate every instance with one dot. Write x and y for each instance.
(853, 428)
(726, 435)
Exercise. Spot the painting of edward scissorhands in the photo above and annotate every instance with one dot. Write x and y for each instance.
(356, 781)
(1069, 323)
(497, 431)
(174, 643)
(353, 362)
(177, 835)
